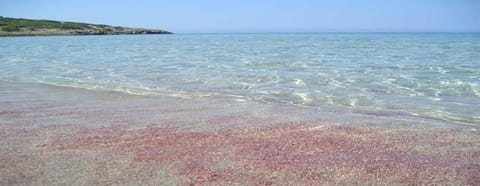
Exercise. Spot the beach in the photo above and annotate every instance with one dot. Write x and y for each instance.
(54, 135)
(240, 109)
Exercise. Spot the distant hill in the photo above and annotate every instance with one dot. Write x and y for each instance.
(32, 27)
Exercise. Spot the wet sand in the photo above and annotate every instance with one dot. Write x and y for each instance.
(66, 136)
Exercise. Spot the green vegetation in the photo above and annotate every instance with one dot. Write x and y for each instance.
(16, 24)
(32, 27)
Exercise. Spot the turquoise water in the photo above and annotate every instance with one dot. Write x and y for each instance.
(429, 75)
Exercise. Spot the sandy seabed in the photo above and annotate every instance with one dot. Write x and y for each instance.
(65, 136)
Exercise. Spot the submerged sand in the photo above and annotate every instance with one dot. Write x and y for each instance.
(57, 135)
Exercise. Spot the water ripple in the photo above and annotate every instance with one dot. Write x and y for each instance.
(432, 75)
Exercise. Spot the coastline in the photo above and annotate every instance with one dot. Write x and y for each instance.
(37, 27)
(57, 32)
(55, 135)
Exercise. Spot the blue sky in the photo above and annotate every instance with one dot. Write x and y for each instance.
(191, 16)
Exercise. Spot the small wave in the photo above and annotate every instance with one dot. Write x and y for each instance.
(304, 96)
(461, 88)
(140, 91)
(285, 64)
(299, 82)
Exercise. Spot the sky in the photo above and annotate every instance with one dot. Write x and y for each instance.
(225, 16)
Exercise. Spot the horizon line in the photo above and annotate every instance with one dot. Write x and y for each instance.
(326, 32)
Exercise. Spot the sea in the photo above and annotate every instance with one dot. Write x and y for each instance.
(424, 75)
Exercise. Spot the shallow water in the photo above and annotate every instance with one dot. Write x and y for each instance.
(52, 135)
(430, 75)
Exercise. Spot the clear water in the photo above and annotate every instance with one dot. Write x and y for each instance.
(430, 75)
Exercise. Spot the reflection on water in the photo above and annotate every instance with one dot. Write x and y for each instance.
(431, 75)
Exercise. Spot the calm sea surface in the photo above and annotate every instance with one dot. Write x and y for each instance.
(429, 75)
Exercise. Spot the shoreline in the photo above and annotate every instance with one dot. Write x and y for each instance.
(388, 116)
(54, 135)
(6, 34)
(38, 27)
(81, 34)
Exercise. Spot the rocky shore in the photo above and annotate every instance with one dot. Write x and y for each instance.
(29, 27)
